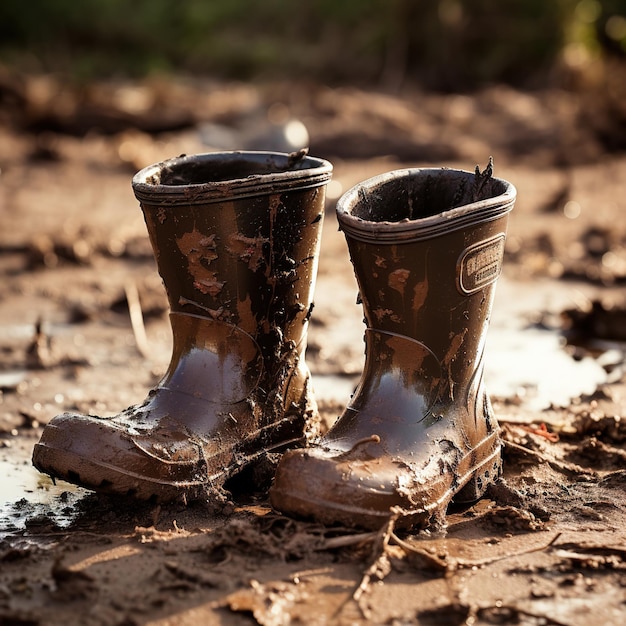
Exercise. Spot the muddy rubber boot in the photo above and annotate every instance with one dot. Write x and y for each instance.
(427, 248)
(236, 237)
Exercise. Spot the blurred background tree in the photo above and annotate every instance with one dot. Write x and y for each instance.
(449, 45)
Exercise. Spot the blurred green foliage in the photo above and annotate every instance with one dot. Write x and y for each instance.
(442, 44)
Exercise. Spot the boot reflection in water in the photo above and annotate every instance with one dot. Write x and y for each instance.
(427, 248)
(236, 237)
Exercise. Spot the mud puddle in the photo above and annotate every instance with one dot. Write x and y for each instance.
(526, 364)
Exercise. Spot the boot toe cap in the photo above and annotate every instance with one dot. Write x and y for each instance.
(111, 456)
(335, 489)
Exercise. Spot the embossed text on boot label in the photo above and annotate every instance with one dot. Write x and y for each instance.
(480, 264)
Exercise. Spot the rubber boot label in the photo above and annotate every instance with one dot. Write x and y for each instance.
(480, 264)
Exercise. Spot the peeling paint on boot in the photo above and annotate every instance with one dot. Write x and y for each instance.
(199, 251)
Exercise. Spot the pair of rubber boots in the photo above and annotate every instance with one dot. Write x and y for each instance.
(236, 238)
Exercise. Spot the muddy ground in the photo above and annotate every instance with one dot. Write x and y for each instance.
(546, 546)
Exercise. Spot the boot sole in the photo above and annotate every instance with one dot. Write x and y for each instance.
(107, 478)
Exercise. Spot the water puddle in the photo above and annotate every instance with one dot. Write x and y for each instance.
(29, 497)
(531, 364)
(532, 367)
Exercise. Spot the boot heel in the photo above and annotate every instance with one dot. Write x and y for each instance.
(483, 476)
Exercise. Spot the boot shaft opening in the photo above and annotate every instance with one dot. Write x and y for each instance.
(219, 176)
(228, 168)
(414, 204)
(423, 193)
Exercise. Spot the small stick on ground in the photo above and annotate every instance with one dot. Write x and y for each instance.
(454, 564)
(343, 541)
(380, 566)
(136, 318)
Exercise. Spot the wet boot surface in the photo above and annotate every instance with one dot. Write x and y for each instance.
(236, 239)
(427, 248)
(546, 546)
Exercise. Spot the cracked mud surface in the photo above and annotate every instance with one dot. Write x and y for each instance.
(546, 546)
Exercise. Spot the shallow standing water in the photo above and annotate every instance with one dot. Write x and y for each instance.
(25, 494)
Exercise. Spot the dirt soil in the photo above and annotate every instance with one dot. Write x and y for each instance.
(83, 326)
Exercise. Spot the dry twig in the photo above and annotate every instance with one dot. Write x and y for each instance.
(136, 318)
(454, 564)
